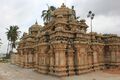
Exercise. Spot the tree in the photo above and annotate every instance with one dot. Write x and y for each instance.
(47, 14)
(12, 36)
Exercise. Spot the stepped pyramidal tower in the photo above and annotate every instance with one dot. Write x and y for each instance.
(62, 47)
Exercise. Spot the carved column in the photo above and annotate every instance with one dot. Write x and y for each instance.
(60, 59)
(51, 61)
(43, 59)
(26, 59)
(70, 62)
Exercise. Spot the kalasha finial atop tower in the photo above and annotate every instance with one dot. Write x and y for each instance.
(36, 22)
(63, 5)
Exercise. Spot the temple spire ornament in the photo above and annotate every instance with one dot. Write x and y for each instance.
(36, 22)
(63, 5)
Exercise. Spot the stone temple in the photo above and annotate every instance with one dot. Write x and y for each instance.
(62, 47)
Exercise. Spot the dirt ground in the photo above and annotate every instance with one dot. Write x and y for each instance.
(12, 72)
(113, 71)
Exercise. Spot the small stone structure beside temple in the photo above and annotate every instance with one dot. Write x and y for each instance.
(62, 47)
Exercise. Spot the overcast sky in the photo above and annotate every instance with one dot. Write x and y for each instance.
(24, 13)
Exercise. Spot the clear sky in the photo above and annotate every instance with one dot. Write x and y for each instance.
(24, 13)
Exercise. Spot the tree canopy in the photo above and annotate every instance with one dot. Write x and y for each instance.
(13, 35)
(47, 14)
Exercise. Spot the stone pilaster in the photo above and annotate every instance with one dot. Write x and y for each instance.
(60, 59)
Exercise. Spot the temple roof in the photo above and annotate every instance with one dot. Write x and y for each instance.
(63, 10)
(35, 27)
